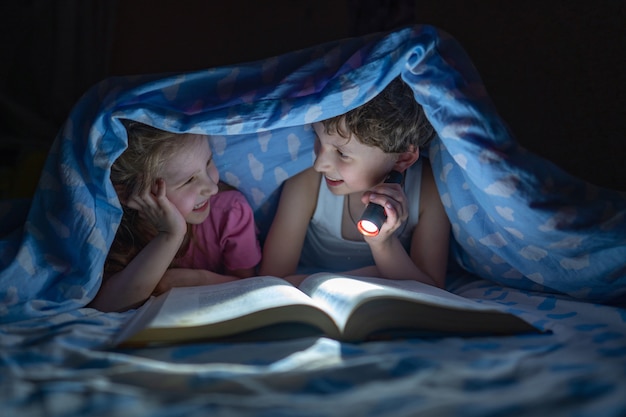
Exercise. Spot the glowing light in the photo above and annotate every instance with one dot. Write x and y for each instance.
(367, 228)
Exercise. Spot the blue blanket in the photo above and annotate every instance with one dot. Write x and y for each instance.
(517, 219)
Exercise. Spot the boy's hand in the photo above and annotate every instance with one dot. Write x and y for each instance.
(394, 201)
(153, 205)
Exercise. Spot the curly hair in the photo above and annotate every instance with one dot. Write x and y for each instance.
(391, 121)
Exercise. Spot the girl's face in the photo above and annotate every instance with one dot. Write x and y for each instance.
(191, 178)
(348, 166)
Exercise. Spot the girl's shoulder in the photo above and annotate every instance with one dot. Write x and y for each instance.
(228, 199)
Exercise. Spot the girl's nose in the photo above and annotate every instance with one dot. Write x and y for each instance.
(210, 181)
(212, 187)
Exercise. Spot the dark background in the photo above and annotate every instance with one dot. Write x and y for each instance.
(555, 69)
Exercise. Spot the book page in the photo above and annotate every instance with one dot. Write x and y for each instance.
(340, 294)
(253, 308)
(194, 306)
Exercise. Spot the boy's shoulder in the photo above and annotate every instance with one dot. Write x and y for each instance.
(300, 191)
(307, 179)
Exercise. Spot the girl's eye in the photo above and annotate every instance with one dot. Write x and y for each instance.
(189, 181)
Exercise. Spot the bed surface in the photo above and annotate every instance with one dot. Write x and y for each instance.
(63, 367)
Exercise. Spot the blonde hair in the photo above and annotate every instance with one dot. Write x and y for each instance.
(391, 121)
(137, 168)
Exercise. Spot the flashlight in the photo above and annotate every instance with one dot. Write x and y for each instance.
(374, 215)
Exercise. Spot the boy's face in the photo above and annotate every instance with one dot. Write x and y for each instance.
(348, 166)
(191, 178)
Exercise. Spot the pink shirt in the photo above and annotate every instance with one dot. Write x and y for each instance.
(226, 239)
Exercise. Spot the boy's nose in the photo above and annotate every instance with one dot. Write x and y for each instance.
(321, 161)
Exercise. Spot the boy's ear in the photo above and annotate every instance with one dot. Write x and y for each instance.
(406, 159)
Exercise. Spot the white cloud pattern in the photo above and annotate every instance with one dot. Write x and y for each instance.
(232, 179)
(312, 114)
(533, 253)
(461, 159)
(575, 264)
(503, 188)
(506, 213)
(218, 144)
(494, 240)
(280, 174)
(264, 140)
(293, 143)
(256, 167)
(258, 196)
(467, 213)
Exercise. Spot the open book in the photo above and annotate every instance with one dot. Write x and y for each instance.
(342, 307)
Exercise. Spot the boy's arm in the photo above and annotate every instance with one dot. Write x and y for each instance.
(428, 256)
(285, 239)
(431, 237)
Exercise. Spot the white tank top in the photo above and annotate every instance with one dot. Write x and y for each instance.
(326, 250)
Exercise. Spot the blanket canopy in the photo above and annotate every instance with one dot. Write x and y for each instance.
(517, 219)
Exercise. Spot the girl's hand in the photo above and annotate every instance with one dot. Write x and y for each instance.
(394, 200)
(153, 205)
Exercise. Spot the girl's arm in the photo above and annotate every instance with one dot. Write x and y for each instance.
(132, 286)
(285, 238)
(428, 256)
(237, 239)
(186, 277)
(242, 273)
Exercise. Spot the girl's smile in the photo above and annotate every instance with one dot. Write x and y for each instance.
(201, 206)
(192, 178)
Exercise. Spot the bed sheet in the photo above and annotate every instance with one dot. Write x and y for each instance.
(64, 366)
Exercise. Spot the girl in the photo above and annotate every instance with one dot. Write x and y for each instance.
(180, 226)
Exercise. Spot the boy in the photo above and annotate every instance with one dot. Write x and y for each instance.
(315, 224)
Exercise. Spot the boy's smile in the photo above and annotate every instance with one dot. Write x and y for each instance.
(332, 182)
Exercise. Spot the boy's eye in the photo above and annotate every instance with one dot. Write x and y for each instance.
(341, 154)
(190, 180)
